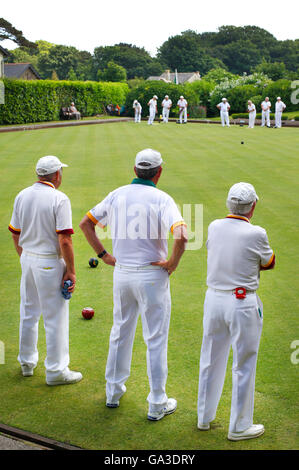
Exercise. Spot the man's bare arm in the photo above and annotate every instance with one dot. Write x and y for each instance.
(66, 248)
(15, 238)
(88, 228)
(179, 245)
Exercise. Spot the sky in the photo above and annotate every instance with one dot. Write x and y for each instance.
(86, 24)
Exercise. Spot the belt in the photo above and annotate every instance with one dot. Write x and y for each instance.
(232, 291)
(40, 255)
(136, 268)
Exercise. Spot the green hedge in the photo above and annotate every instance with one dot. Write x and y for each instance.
(41, 100)
(258, 116)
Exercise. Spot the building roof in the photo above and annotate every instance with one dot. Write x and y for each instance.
(171, 76)
(17, 70)
(4, 52)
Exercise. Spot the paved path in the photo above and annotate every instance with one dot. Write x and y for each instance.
(9, 443)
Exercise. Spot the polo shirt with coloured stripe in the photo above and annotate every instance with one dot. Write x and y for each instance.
(140, 217)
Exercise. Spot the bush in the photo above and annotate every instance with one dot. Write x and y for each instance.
(202, 89)
(238, 91)
(283, 89)
(144, 92)
(258, 116)
(41, 100)
(296, 118)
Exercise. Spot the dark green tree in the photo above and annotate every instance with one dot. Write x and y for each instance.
(274, 70)
(63, 59)
(137, 61)
(184, 53)
(8, 31)
(112, 73)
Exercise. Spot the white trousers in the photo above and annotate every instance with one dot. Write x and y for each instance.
(144, 292)
(224, 118)
(152, 114)
(251, 122)
(137, 116)
(229, 322)
(183, 114)
(266, 118)
(165, 114)
(278, 115)
(41, 294)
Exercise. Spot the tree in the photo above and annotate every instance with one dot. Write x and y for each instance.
(71, 75)
(63, 59)
(54, 75)
(184, 53)
(8, 31)
(239, 56)
(112, 73)
(137, 61)
(218, 75)
(274, 70)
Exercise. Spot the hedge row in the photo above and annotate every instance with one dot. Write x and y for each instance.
(258, 116)
(144, 92)
(41, 100)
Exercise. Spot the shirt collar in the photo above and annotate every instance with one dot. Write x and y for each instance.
(47, 183)
(240, 217)
(142, 181)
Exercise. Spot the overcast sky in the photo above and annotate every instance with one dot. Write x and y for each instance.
(87, 24)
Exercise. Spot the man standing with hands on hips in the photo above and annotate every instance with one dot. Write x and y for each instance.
(224, 108)
(140, 216)
(233, 312)
(41, 228)
(279, 108)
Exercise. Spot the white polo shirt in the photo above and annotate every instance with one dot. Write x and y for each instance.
(182, 103)
(236, 250)
(266, 105)
(152, 104)
(251, 107)
(166, 103)
(40, 213)
(279, 106)
(224, 107)
(140, 217)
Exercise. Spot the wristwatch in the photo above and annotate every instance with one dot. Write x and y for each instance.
(100, 255)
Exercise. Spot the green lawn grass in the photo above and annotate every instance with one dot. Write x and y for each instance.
(202, 162)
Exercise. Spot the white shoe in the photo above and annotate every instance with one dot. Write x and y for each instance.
(27, 371)
(167, 410)
(255, 430)
(66, 378)
(203, 427)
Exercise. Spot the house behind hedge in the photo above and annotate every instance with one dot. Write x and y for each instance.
(3, 54)
(23, 71)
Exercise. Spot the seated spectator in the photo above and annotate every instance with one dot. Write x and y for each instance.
(74, 111)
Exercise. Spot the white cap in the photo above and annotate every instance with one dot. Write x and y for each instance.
(166, 96)
(155, 96)
(278, 98)
(181, 97)
(47, 165)
(242, 193)
(147, 159)
(224, 99)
